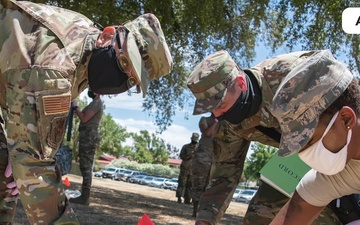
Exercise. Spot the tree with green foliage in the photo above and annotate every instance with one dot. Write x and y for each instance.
(158, 150)
(148, 148)
(259, 157)
(172, 151)
(312, 24)
(112, 136)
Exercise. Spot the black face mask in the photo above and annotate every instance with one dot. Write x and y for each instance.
(104, 74)
(194, 142)
(91, 94)
(246, 105)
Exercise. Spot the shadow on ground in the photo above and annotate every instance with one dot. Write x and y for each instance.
(115, 207)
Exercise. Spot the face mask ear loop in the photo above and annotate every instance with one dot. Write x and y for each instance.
(331, 123)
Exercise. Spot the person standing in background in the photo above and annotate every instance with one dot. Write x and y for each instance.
(89, 140)
(202, 159)
(184, 181)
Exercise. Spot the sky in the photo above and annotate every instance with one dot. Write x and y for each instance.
(127, 111)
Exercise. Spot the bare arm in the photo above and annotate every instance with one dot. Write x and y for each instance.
(84, 117)
(297, 212)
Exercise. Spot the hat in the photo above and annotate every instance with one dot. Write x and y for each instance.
(195, 137)
(210, 79)
(304, 94)
(147, 49)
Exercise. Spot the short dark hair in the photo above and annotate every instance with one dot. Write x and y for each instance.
(350, 97)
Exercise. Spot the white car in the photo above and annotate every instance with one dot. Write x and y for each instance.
(157, 182)
(246, 195)
(146, 180)
(98, 174)
(110, 172)
(236, 194)
(171, 184)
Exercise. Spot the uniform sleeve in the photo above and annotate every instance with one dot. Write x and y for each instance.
(319, 190)
(202, 121)
(95, 106)
(183, 153)
(229, 156)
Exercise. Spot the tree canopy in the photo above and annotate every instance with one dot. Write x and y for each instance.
(259, 157)
(194, 29)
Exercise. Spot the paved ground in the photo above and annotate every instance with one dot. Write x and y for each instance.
(121, 203)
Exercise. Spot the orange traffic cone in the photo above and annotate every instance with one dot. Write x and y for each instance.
(66, 182)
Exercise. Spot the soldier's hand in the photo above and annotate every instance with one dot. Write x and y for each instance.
(74, 105)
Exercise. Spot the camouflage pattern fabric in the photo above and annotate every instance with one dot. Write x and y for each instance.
(304, 95)
(39, 83)
(201, 170)
(44, 56)
(63, 159)
(153, 49)
(231, 141)
(88, 143)
(267, 203)
(202, 162)
(7, 201)
(89, 140)
(184, 180)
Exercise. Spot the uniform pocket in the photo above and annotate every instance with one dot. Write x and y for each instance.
(52, 109)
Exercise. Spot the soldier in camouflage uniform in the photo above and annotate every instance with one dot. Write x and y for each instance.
(48, 55)
(184, 181)
(202, 159)
(89, 140)
(318, 109)
(241, 101)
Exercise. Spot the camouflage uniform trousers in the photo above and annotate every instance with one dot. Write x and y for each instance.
(7, 201)
(201, 170)
(268, 201)
(37, 177)
(184, 180)
(88, 143)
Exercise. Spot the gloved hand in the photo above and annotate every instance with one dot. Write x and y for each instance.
(12, 184)
(74, 105)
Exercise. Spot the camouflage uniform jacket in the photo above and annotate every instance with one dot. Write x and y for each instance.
(187, 153)
(231, 141)
(44, 52)
(74, 34)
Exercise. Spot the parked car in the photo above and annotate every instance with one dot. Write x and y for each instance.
(110, 172)
(136, 179)
(140, 173)
(127, 174)
(236, 194)
(171, 184)
(146, 180)
(119, 174)
(158, 182)
(246, 195)
(98, 173)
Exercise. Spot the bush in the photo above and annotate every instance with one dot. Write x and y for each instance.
(152, 169)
